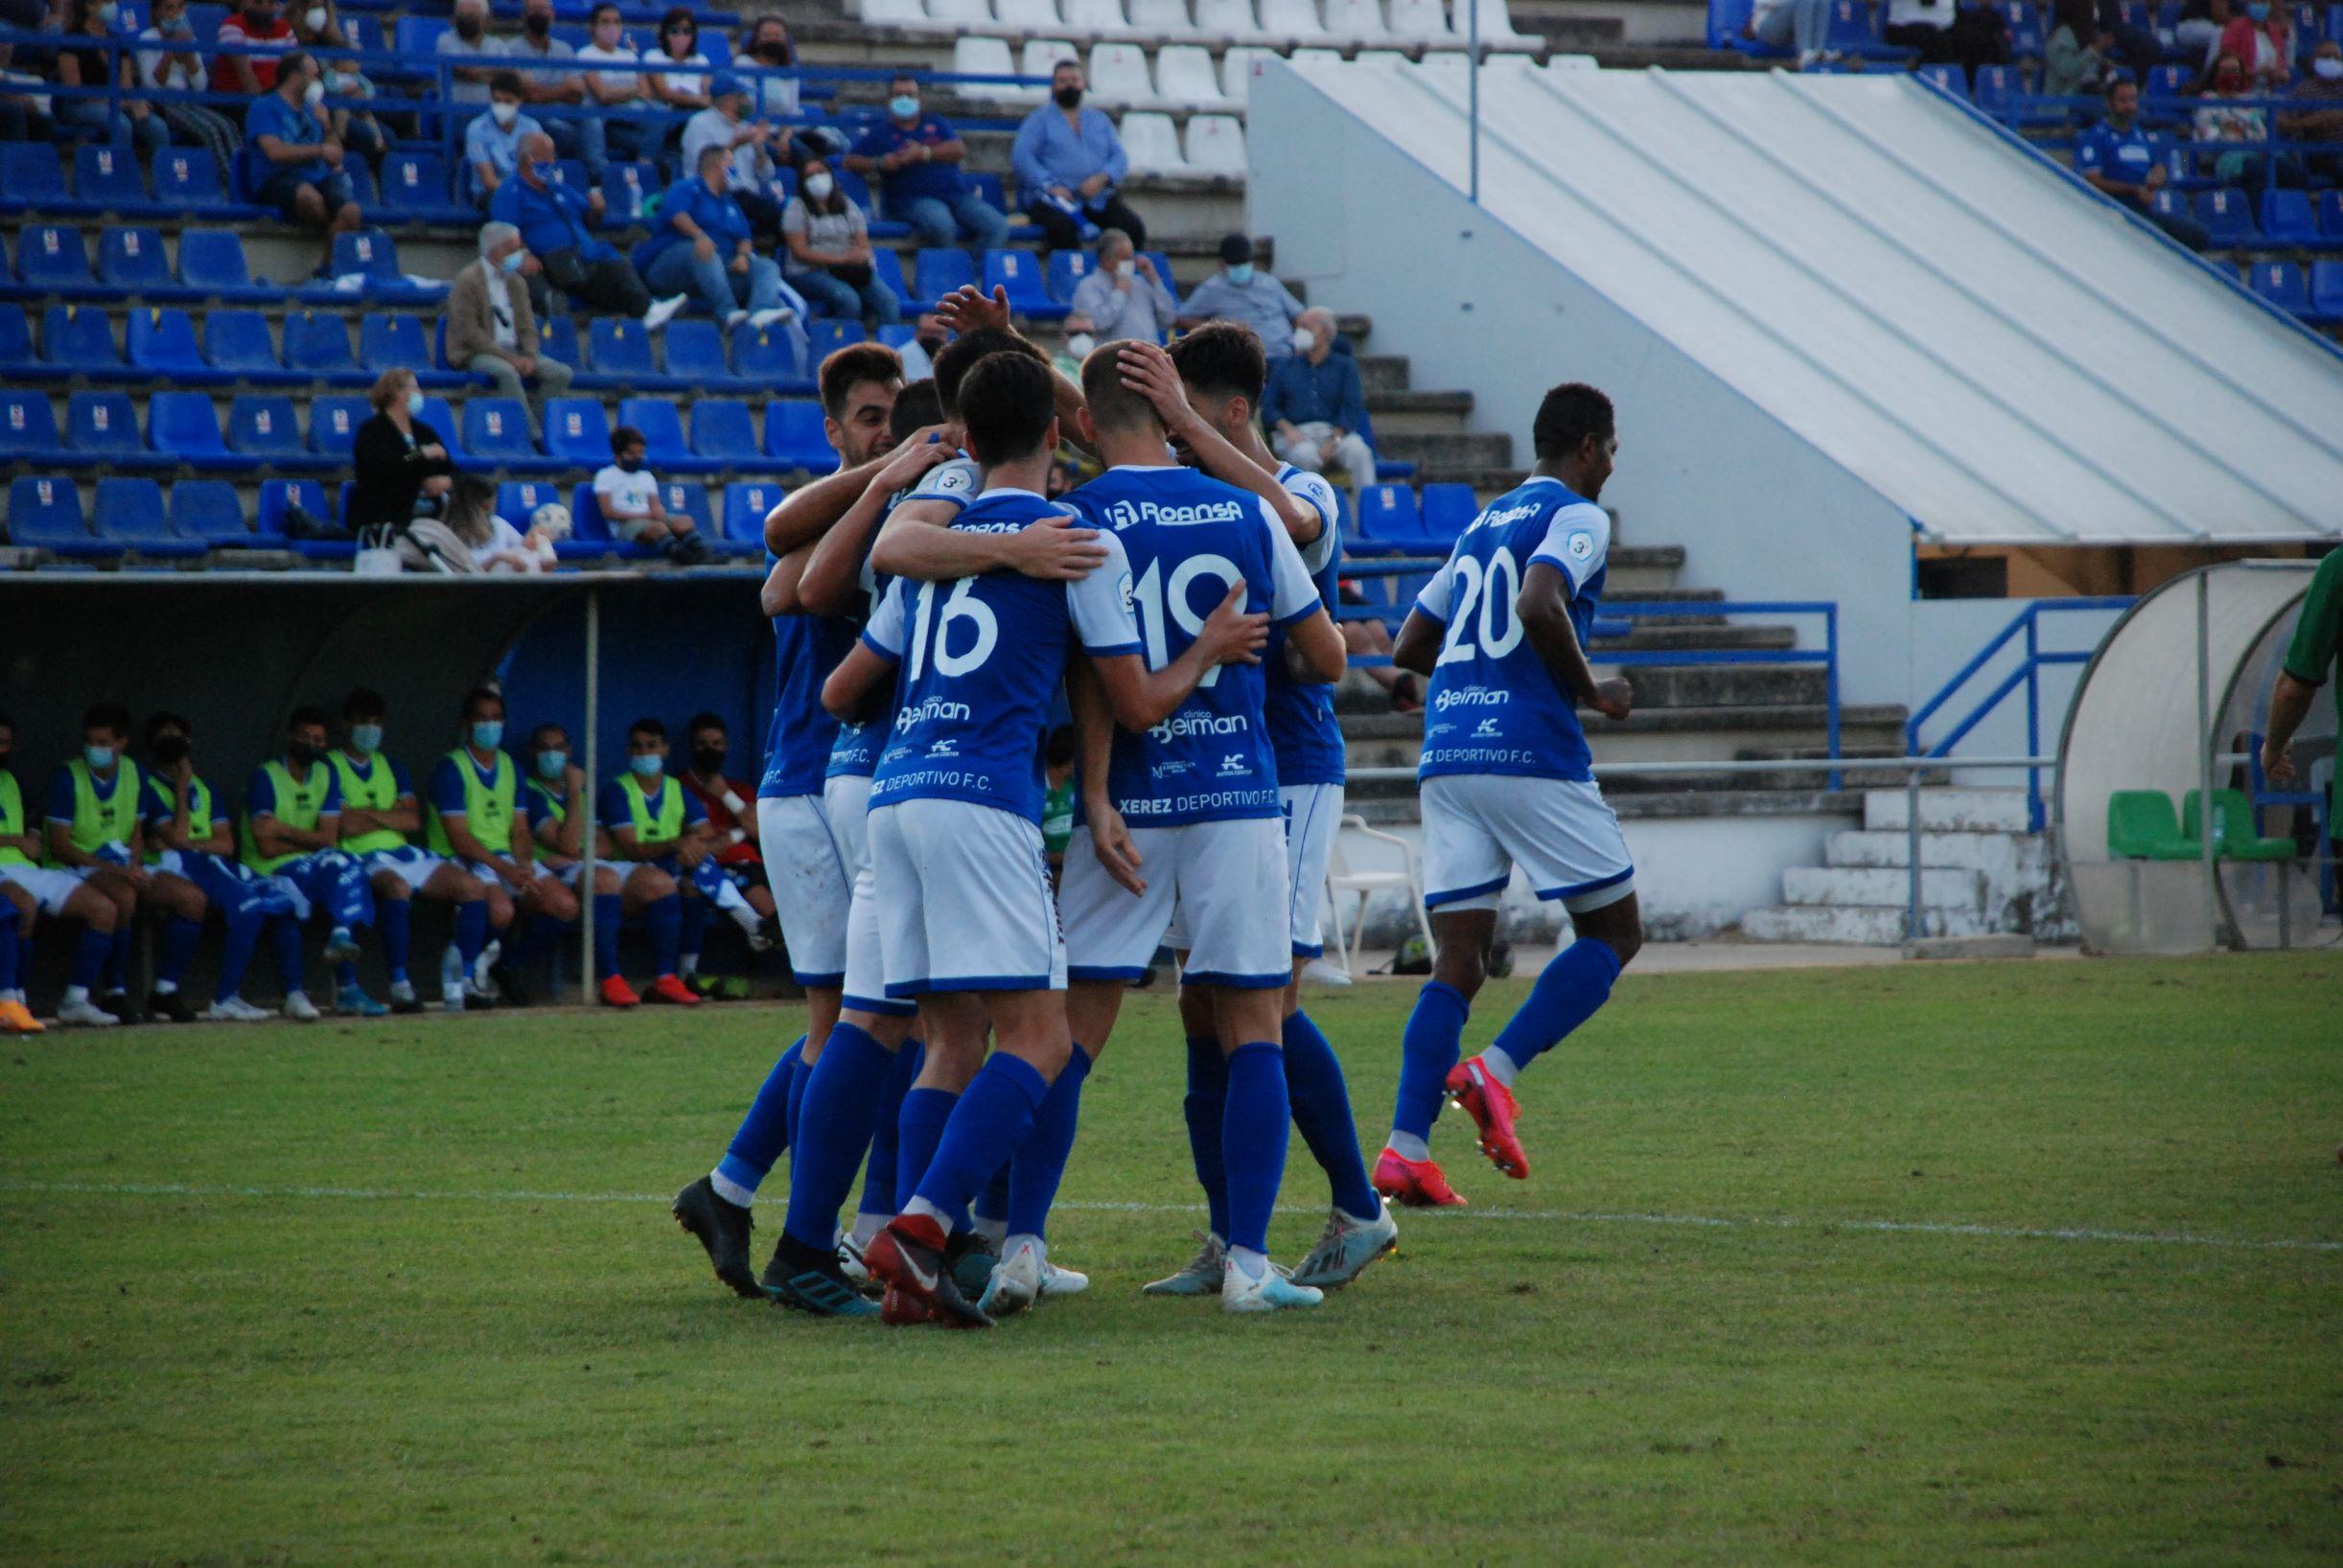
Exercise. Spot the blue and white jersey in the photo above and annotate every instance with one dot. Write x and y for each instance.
(1189, 539)
(955, 479)
(1493, 708)
(855, 753)
(1304, 734)
(799, 737)
(981, 660)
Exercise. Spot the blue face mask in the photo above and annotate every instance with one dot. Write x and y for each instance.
(543, 173)
(552, 763)
(2260, 10)
(99, 757)
(512, 262)
(647, 766)
(488, 733)
(414, 404)
(903, 108)
(366, 738)
(1240, 274)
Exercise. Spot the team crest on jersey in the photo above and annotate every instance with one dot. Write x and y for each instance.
(1487, 727)
(1234, 766)
(945, 747)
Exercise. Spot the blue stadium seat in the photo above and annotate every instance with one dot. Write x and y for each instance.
(333, 425)
(627, 186)
(2226, 214)
(661, 426)
(31, 178)
(184, 425)
(1065, 271)
(724, 431)
(1947, 77)
(2286, 216)
(887, 266)
(2281, 283)
(106, 179)
(370, 253)
(2166, 85)
(415, 185)
(1388, 512)
(209, 510)
(688, 498)
(620, 351)
(1448, 509)
(695, 353)
(557, 339)
(793, 435)
(2331, 214)
(46, 513)
(577, 429)
(825, 336)
(80, 338)
(1996, 89)
(212, 259)
(134, 259)
(766, 355)
(745, 505)
(940, 271)
(319, 343)
(188, 180)
(239, 341)
(51, 255)
(1019, 271)
(572, 173)
(106, 425)
(164, 340)
(2326, 290)
(131, 513)
(441, 418)
(17, 356)
(517, 499)
(394, 342)
(28, 427)
(497, 430)
(418, 34)
(265, 425)
(588, 530)
(276, 494)
(894, 335)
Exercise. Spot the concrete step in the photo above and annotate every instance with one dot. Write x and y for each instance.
(1843, 886)
(1865, 926)
(1961, 810)
(1382, 372)
(2006, 856)
(1714, 685)
(1462, 450)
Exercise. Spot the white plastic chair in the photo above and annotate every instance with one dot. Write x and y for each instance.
(1380, 56)
(893, 13)
(983, 56)
(1152, 145)
(1301, 55)
(1040, 54)
(1341, 880)
(1184, 75)
(1420, 20)
(1447, 62)
(1216, 145)
(1237, 71)
(1296, 20)
(1119, 74)
(1495, 25)
(960, 14)
(1097, 18)
(1027, 18)
(1360, 21)
(1162, 19)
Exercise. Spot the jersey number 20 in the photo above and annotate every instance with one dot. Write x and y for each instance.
(1482, 602)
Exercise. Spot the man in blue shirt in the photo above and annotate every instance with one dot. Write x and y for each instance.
(1507, 780)
(492, 141)
(703, 245)
(2119, 160)
(304, 177)
(1315, 406)
(1069, 161)
(916, 158)
(557, 224)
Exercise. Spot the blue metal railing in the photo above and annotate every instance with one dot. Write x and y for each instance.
(2026, 624)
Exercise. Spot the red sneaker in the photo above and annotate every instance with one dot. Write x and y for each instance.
(617, 993)
(908, 1258)
(1414, 1183)
(668, 989)
(1476, 1091)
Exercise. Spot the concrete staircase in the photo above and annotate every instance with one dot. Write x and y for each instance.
(1981, 874)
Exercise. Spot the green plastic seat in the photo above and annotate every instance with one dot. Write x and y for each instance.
(2234, 837)
(2143, 826)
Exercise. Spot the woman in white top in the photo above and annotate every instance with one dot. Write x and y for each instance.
(173, 65)
(678, 45)
(829, 251)
(617, 131)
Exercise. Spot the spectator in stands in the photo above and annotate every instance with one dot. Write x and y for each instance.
(496, 544)
(1372, 639)
(2242, 125)
(916, 158)
(256, 24)
(357, 127)
(544, 84)
(2198, 34)
(173, 65)
(747, 145)
(1315, 406)
(2117, 158)
(491, 329)
(766, 49)
(492, 141)
(469, 39)
(678, 44)
(86, 65)
(316, 26)
(700, 245)
(557, 224)
(2074, 55)
(1800, 25)
(829, 251)
(1123, 298)
(928, 338)
(1243, 293)
(731, 812)
(2263, 42)
(618, 132)
(627, 492)
(1069, 161)
(304, 179)
(401, 466)
(23, 117)
(2322, 89)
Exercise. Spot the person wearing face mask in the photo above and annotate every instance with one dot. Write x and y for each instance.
(101, 905)
(136, 124)
(172, 65)
(29, 890)
(2116, 158)
(288, 837)
(402, 469)
(2238, 126)
(556, 223)
(733, 877)
(617, 133)
(1243, 293)
(2263, 39)
(929, 336)
(658, 833)
(492, 141)
(1121, 298)
(305, 179)
(702, 244)
(559, 816)
(829, 251)
(627, 492)
(255, 25)
(748, 143)
(92, 835)
(2320, 90)
(1069, 160)
(469, 40)
(546, 88)
(1316, 407)
(678, 45)
(916, 158)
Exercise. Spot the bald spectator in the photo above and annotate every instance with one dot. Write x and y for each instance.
(491, 328)
(1316, 405)
(469, 39)
(1243, 293)
(1069, 159)
(557, 225)
(1123, 298)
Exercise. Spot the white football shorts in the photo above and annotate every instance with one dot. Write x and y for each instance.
(846, 799)
(411, 864)
(812, 883)
(1478, 827)
(50, 885)
(963, 900)
(1226, 878)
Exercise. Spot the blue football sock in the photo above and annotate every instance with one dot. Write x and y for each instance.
(920, 1129)
(539, 933)
(606, 914)
(1206, 1104)
(244, 935)
(180, 936)
(798, 1076)
(8, 949)
(1040, 1163)
(991, 1205)
(885, 1130)
(992, 1118)
(842, 1092)
(118, 957)
(89, 955)
(287, 936)
(1253, 1140)
(353, 900)
(1568, 991)
(663, 918)
(471, 931)
(394, 918)
(1322, 1111)
(693, 929)
(345, 974)
(1435, 1033)
(764, 1132)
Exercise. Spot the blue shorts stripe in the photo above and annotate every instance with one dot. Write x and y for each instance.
(824, 980)
(1276, 981)
(1309, 949)
(970, 983)
(1452, 895)
(885, 1006)
(1580, 889)
(1105, 972)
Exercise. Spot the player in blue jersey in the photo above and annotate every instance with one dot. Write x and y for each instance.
(968, 925)
(1206, 390)
(1186, 813)
(1507, 780)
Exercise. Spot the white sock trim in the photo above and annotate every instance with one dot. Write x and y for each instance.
(1408, 1146)
(920, 1206)
(1500, 1066)
(1246, 1262)
(730, 1190)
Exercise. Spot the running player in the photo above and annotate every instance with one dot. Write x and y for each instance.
(968, 923)
(1200, 790)
(1507, 780)
(1206, 390)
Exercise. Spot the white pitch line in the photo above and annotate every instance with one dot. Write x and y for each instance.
(1712, 1222)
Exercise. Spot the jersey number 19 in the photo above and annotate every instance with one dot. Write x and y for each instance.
(1154, 602)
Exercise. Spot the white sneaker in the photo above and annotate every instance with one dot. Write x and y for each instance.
(770, 316)
(1270, 1293)
(734, 320)
(300, 1008)
(235, 1010)
(1016, 1283)
(1058, 1281)
(662, 312)
(482, 984)
(1325, 972)
(1346, 1247)
(403, 992)
(85, 1013)
(1199, 1275)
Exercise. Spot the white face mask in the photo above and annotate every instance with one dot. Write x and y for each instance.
(313, 94)
(314, 18)
(2327, 66)
(1304, 340)
(820, 187)
(1079, 345)
(505, 113)
(1127, 269)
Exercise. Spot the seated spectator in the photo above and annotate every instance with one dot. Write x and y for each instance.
(557, 224)
(316, 26)
(1372, 639)
(491, 329)
(678, 44)
(82, 66)
(2116, 157)
(544, 84)
(304, 177)
(1799, 25)
(658, 836)
(173, 65)
(928, 338)
(700, 245)
(348, 90)
(492, 141)
(766, 49)
(1316, 405)
(829, 251)
(401, 464)
(496, 544)
(2198, 34)
(255, 24)
(23, 116)
(2263, 42)
(2240, 125)
(2322, 120)
(469, 39)
(1242, 293)
(747, 142)
(917, 159)
(731, 812)
(628, 494)
(619, 132)
(2074, 55)
(2128, 46)
(1123, 298)
(1069, 159)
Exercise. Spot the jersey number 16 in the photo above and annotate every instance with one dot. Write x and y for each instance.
(958, 606)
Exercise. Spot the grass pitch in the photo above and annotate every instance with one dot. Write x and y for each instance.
(1860, 1266)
